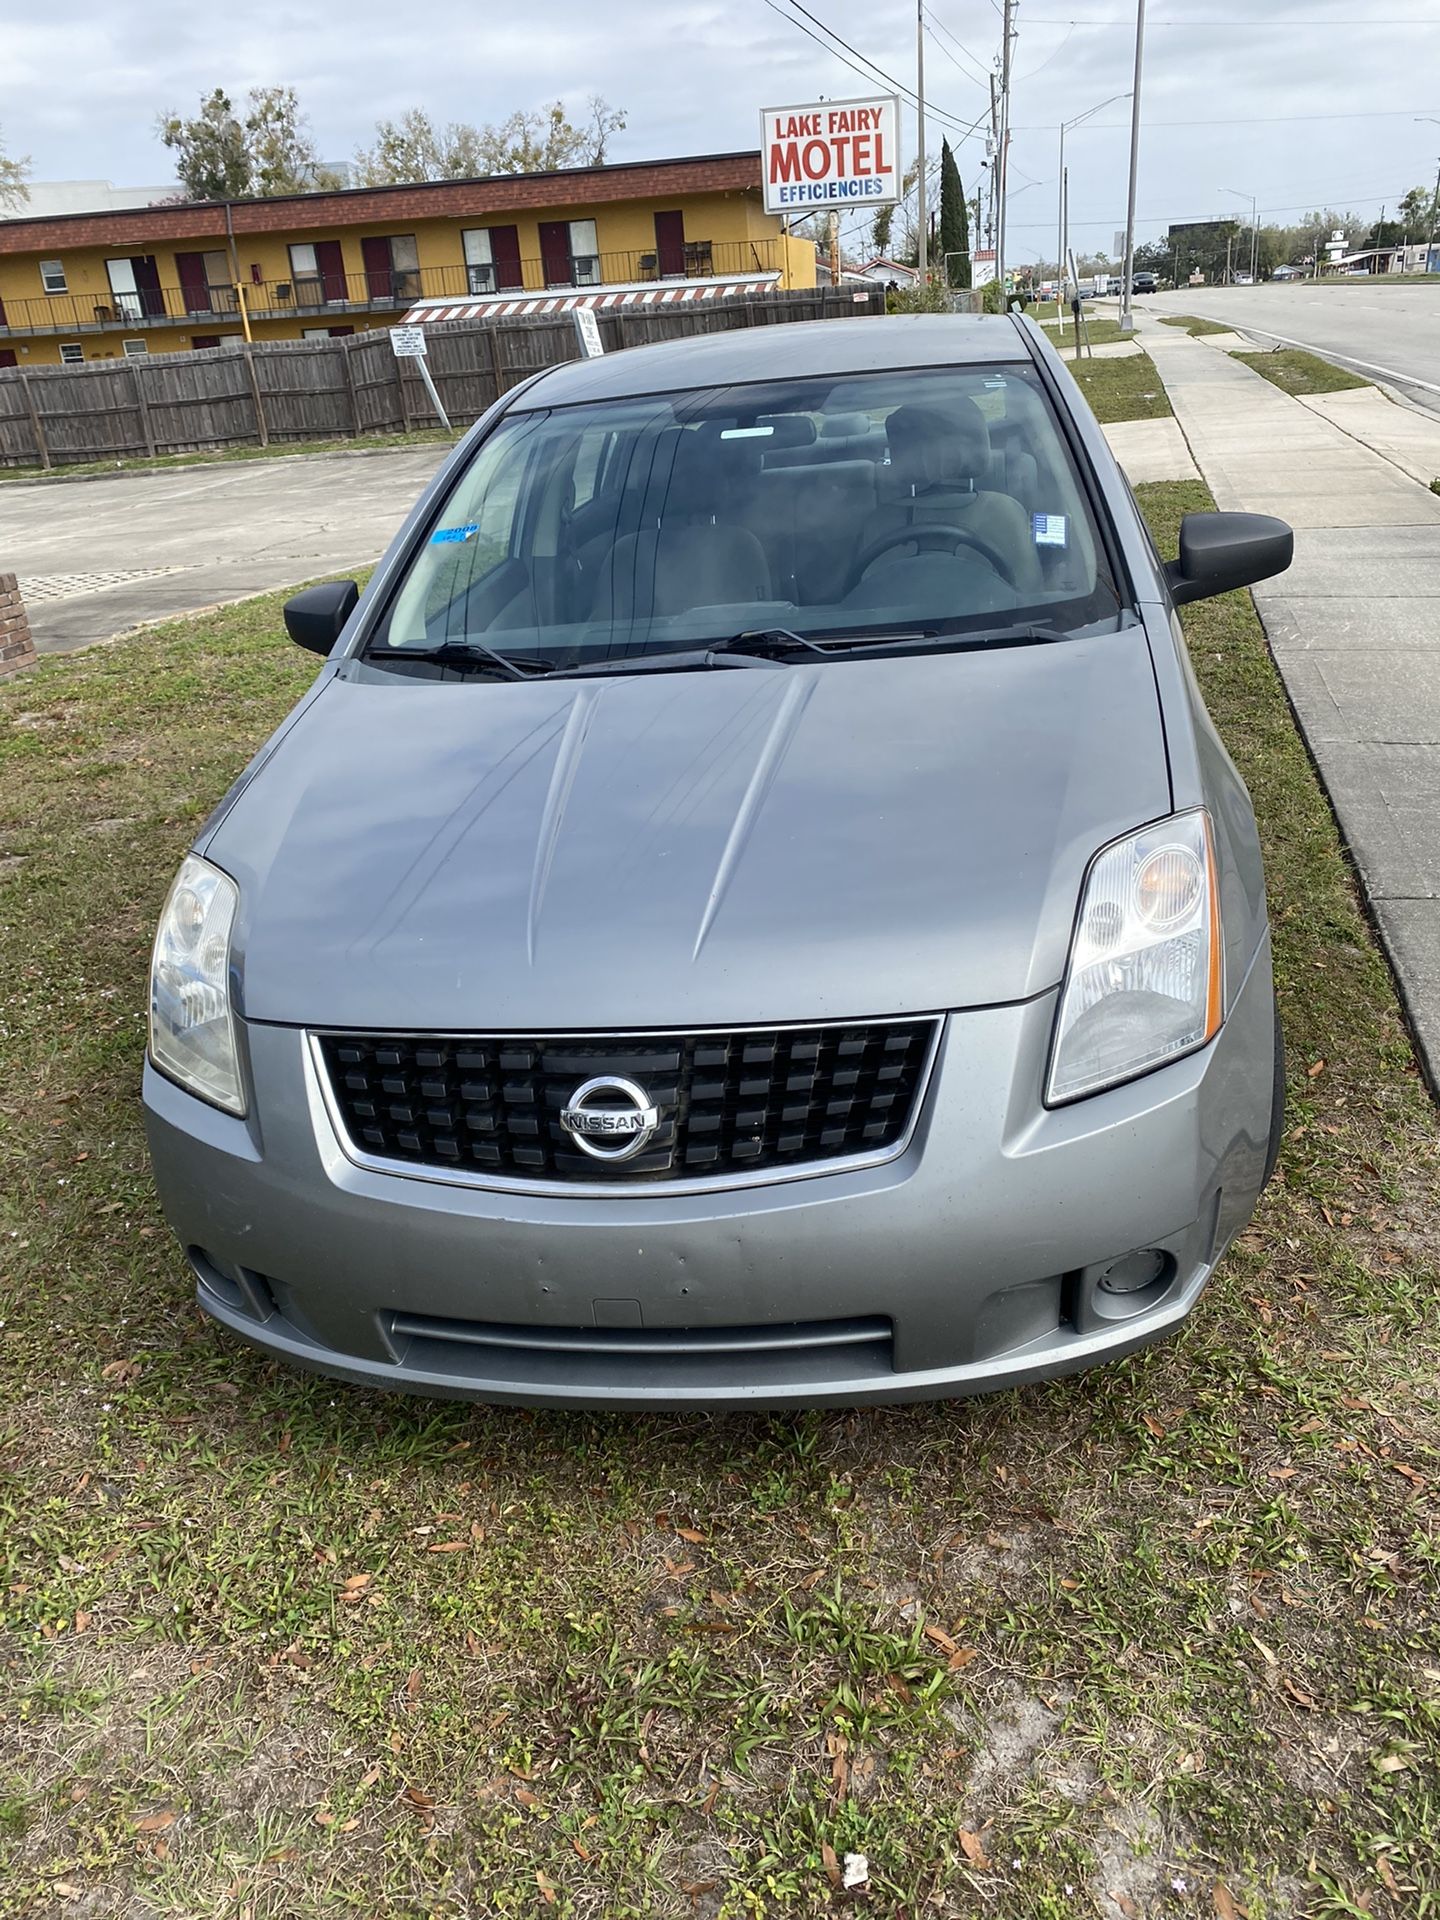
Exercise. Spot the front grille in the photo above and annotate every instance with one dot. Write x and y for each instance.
(747, 1101)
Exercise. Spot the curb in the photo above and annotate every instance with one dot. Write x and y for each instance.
(207, 466)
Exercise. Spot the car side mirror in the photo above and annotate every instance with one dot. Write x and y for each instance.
(316, 617)
(1219, 551)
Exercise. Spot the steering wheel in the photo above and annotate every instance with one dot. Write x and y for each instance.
(930, 533)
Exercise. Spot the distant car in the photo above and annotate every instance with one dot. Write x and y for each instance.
(1288, 273)
(1144, 283)
(1243, 280)
(751, 912)
(1086, 289)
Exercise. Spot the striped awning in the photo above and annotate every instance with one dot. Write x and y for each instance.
(639, 293)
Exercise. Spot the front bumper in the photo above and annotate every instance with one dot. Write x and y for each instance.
(969, 1262)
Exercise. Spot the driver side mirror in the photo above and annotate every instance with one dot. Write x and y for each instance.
(316, 618)
(1219, 551)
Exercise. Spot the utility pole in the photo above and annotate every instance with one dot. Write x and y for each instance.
(1003, 162)
(1229, 242)
(1127, 318)
(921, 217)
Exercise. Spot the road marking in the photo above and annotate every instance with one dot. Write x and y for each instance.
(1328, 353)
(69, 586)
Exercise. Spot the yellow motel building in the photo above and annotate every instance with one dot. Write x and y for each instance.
(82, 287)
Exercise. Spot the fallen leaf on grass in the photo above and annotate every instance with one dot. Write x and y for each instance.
(155, 1822)
(356, 1583)
(419, 1798)
(1382, 1867)
(961, 1657)
(692, 1534)
(1392, 1762)
(942, 1639)
(1315, 1069)
(1224, 1903)
(1300, 1697)
(547, 1889)
(973, 1848)
(447, 1546)
(830, 1863)
(526, 1798)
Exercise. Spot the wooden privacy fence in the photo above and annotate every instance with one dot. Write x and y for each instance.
(276, 391)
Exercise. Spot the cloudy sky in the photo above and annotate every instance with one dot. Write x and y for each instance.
(1300, 102)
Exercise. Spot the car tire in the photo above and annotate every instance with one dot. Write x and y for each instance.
(1277, 1101)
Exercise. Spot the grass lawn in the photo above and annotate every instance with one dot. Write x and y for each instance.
(1101, 333)
(1157, 1641)
(1125, 389)
(1295, 371)
(429, 436)
(1193, 324)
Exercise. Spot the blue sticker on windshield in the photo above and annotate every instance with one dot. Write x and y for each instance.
(1048, 529)
(443, 536)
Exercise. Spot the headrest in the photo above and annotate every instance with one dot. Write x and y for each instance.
(707, 470)
(845, 426)
(939, 447)
(785, 430)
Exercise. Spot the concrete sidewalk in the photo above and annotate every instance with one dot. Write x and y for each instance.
(1354, 625)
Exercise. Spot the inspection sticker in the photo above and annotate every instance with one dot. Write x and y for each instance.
(443, 536)
(1048, 529)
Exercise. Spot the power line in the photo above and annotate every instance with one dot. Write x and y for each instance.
(1271, 26)
(1249, 120)
(931, 112)
(940, 47)
(935, 21)
(1158, 219)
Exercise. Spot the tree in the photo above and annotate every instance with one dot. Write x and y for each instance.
(954, 223)
(543, 141)
(13, 175)
(880, 232)
(1415, 211)
(222, 157)
(1386, 233)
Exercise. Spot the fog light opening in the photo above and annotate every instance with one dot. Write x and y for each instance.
(1136, 1271)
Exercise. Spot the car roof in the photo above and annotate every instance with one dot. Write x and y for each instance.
(781, 352)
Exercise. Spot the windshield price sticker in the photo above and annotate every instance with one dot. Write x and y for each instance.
(446, 536)
(1048, 529)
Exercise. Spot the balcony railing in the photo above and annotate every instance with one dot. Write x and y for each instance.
(378, 291)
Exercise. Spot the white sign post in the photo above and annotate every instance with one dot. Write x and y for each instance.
(588, 329)
(832, 153)
(409, 344)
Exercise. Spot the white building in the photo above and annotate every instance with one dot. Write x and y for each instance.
(85, 196)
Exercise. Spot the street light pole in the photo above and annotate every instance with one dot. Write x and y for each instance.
(1430, 121)
(1069, 126)
(1127, 318)
(1254, 238)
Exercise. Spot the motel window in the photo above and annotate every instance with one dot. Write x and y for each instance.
(71, 353)
(134, 348)
(492, 259)
(52, 276)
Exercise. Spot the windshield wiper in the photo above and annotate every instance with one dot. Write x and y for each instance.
(469, 653)
(779, 646)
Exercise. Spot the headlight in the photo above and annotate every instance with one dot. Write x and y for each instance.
(1145, 981)
(192, 1037)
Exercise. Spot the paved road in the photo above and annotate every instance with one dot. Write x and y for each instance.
(97, 556)
(1390, 333)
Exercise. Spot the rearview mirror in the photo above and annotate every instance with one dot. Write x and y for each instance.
(316, 617)
(1219, 551)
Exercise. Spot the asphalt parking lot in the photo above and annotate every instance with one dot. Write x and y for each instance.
(96, 557)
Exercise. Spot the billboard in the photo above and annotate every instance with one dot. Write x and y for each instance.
(831, 153)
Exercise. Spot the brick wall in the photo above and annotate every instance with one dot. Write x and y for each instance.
(299, 213)
(17, 649)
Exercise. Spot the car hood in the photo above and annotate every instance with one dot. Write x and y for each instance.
(860, 837)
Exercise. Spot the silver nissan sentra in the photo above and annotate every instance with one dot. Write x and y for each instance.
(752, 911)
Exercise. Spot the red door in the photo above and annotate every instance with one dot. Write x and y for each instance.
(7, 354)
(555, 253)
(200, 341)
(194, 283)
(505, 256)
(330, 265)
(379, 280)
(670, 244)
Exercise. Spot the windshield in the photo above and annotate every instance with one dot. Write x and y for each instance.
(934, 499)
